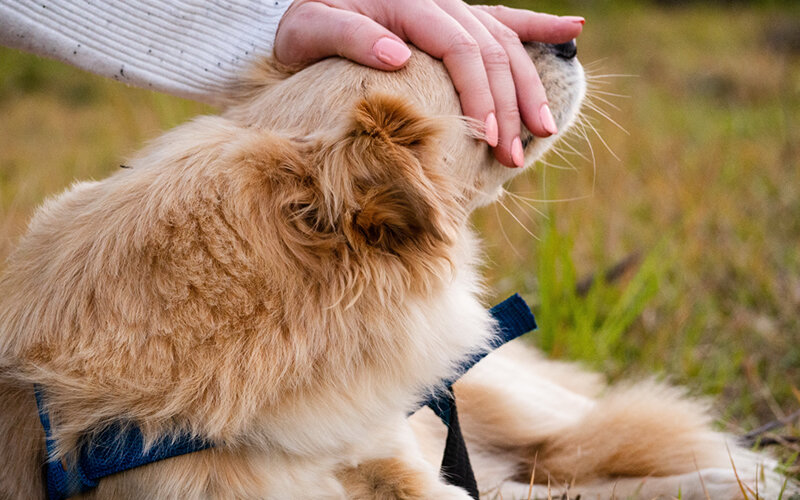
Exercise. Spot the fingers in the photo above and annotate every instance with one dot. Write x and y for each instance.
(483, 52)
(531, 97)
(439, 34)
(314, 31)
(495, 60)
(535, 26)
(481, 47)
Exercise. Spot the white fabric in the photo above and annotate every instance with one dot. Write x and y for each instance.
(188, 48)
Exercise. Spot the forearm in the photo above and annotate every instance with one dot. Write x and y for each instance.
(188, 48)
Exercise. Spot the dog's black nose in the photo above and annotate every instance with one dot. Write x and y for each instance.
(566, 50)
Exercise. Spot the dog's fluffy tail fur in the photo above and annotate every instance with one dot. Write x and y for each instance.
(525, 417)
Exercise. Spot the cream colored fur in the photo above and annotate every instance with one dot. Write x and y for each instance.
(288, 280)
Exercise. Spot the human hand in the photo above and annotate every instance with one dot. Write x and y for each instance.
(480, 46)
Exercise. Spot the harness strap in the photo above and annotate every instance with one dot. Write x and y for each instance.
(120, 446)
(456, 468)
(514, 318)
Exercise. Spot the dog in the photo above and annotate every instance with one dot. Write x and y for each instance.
(287, 281)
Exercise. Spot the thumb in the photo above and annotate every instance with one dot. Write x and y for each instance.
(314, 31)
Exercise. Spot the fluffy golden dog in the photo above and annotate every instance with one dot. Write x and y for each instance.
(288, 280)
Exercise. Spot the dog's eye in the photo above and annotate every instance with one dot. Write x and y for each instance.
(526, 140)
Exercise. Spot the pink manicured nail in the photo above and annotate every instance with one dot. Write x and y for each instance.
(391, 51)
(517, 155)
(574, 19)
(548, 122)
(491, 130)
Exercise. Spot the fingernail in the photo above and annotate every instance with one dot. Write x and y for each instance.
(548, 122)
(517, 155)
(391, 52)
(574, 19)
(491, 130)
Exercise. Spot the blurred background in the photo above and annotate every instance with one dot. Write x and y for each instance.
(682, 187)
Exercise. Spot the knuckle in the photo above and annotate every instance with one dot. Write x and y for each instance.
(462, 43)
(508, 112)
(494, 10)
(495, 55)
(293, 24)
(301, 13)
(507, 36)
(350, 32)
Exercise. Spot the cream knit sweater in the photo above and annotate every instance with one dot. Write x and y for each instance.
(188, 48)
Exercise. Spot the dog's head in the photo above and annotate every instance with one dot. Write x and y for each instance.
(386, 160)
(417, 103)
(336, 185)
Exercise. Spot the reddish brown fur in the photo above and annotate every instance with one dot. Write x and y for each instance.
(383, 480)
(168, 286)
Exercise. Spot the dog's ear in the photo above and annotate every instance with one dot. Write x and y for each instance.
(383, 175)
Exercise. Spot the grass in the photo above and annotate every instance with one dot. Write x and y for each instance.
(704, 185)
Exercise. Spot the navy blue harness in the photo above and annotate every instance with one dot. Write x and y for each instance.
(120, 447)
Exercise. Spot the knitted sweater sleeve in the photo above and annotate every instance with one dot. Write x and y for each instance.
(188, 48)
